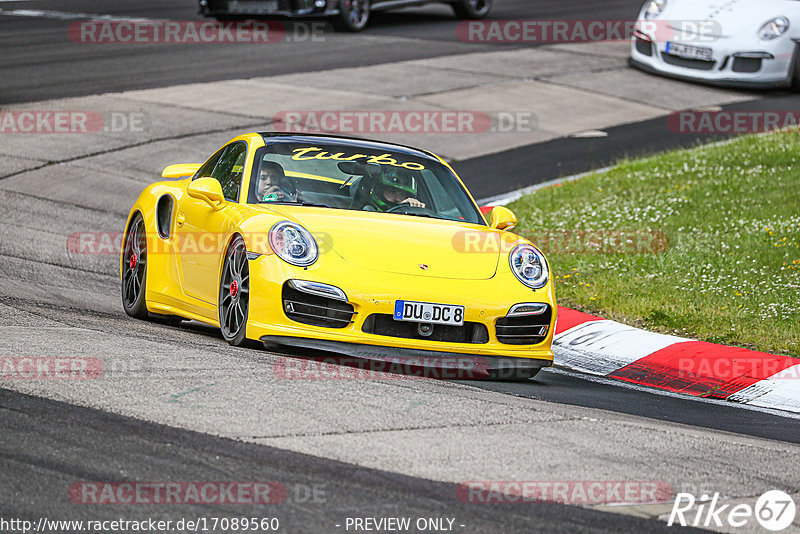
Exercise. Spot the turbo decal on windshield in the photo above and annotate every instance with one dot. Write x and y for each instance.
(304, 154)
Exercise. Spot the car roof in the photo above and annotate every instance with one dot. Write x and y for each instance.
(344, 140)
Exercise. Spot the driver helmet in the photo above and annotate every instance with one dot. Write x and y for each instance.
(396, 180)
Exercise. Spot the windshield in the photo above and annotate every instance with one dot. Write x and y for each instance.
(351, 177)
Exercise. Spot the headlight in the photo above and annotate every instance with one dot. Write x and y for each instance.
(293, 244)
(773, 29)
(529, 266)
(654, 8)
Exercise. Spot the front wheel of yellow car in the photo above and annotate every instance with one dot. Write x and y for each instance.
(234, 293)
(134, 269)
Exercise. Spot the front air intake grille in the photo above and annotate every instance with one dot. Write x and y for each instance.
(696, 64)
(382, 324)
(523, 330)
(644, 47)
(256, 7)
(315, 310)
(746, 65)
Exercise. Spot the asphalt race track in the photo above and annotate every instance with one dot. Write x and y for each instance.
(35, 427)
(37, 64)
(179, 404)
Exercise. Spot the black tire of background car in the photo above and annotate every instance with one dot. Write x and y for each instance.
(472, 9)
(234, 306)
(796, 68)
(353, 15)
(134, 278)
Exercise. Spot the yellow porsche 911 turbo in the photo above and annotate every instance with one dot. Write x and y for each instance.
(360, 248)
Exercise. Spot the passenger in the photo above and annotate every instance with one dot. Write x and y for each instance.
(273, 184)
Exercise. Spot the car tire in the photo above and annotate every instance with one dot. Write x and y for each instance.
(472, 9)
(134, 269)
(353, 15)
(795, 80)
(234, 293)
(134, 275)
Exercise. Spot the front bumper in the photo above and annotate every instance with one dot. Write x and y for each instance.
(410, 361)
(730, 64)
(372, 292)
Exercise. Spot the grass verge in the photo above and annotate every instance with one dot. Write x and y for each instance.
(703, 243)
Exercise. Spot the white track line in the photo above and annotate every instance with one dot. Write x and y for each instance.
(64, 15)
(511, 196)
(507, 198)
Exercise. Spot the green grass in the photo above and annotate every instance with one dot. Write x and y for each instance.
(731, 271)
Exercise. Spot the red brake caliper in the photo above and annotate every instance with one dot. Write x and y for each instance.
(234, 288)
(133, 261)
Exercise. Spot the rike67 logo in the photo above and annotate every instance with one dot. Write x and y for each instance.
(775, 510)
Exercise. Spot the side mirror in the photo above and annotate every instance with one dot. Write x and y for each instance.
(207, 189)
(181, 170)
(502, 218)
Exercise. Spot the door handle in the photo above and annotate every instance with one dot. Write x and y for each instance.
(181, 219)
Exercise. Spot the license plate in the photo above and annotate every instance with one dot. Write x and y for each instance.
(428, 312)
(252, 6)
(690, 52)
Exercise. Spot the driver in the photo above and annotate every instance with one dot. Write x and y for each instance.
(393, 188)
(273, 185)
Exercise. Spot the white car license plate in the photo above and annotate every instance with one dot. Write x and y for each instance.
(690, 52)
(252, 6)
(428, 312)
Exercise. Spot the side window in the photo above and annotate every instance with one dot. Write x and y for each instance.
(229, 170)
(208, 167)
(441, 200)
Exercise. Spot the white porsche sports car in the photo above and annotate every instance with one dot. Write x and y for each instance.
(743, 43)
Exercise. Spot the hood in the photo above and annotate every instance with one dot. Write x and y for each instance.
(399, 244)
(731, 17)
